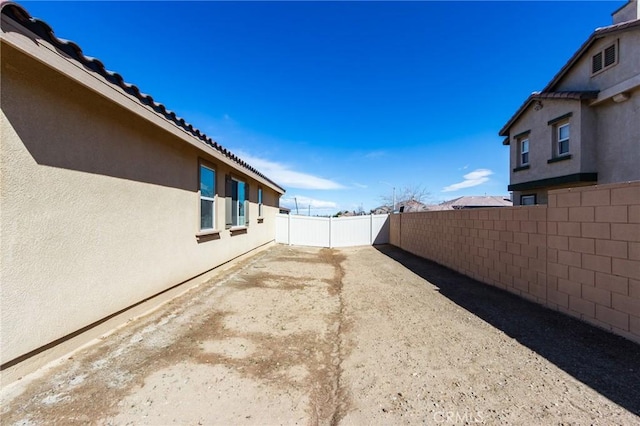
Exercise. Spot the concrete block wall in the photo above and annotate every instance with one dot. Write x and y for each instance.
(580, 254)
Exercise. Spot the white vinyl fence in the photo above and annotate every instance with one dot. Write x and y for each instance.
(332, 231)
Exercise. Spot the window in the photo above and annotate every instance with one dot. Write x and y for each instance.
(527, 200)
(238, 206)
(207, 197)
(260, 202)
(524, 152)
(560, 136)
(563, 138)
(237, 203)
(604, 59)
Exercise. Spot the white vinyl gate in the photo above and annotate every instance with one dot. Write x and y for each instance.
(332, 231)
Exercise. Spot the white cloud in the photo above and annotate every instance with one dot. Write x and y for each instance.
(305, 202)
(360, 185)
(284, 176)
(474, 178)
(375, 154)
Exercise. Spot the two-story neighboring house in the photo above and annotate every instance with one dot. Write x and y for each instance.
(583, 128)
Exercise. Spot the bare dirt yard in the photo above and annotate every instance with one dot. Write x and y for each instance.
(352, 336)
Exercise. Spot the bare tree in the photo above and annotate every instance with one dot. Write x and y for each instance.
(407, 193)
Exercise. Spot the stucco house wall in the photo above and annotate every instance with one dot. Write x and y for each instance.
(99, 200)
(626, 12)
(541, 141)
(580, 77)
(618, 134)
(604, 142)
(542, 145)
(614, 126)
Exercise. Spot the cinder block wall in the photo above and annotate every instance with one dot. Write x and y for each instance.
(580, 254)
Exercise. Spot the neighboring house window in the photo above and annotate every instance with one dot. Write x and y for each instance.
(237, 206)
(260, 202)
(563, 138)
(604, 59)
(527, 200)
(207, 197)
(524, 151)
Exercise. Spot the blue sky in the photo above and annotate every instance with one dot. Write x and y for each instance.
(339, 102)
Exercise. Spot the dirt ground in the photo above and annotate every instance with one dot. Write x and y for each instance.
(351, 336)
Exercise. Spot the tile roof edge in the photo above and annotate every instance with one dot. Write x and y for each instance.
(19, 14)
(562, 95)
(596, 34)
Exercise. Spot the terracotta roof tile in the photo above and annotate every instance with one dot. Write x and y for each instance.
(71, 49)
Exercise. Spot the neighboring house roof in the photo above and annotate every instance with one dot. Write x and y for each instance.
(466, 202)
(411, 206)
(596, 35)
(537, 96)
(549, 93)
(382, 210)
(43, 30)
(473, 202)
(406, 207)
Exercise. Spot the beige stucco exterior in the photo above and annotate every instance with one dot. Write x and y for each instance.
(580, 77)
(626, 12)
(603, 111)
(99, 199)
(543, 145)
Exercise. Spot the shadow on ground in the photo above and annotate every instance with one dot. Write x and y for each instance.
(603, 361)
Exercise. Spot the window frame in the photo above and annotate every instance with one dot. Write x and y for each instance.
(521, 143)
(237, 203)
(206, 165)
(233, 203)
(560, 141)
(528, 196)
(602, 58)
(260, 202)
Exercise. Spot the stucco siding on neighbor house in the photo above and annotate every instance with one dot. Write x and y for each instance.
(580, 76)
(588, 142)
(542, 141)
(618, 140)
(627, 12)
(598, 91)
(99, 205)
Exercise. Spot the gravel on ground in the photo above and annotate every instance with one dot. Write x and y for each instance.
(366, 335)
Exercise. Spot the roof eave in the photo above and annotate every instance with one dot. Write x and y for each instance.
(596, 35)
(537, 96)
(73, 53)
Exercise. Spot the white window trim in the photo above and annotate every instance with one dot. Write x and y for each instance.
(212, 199)
(522, 151)
(260, 209)
(559, 141)
(244, 206)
